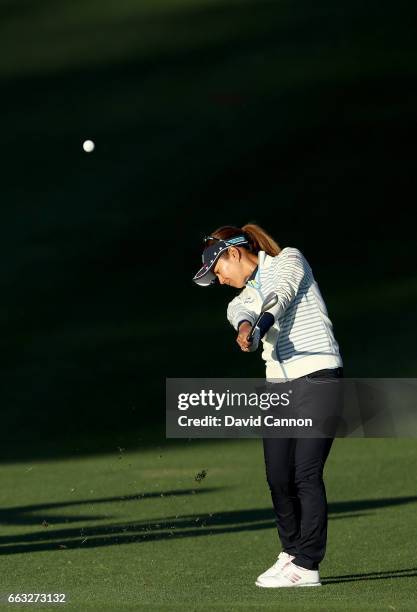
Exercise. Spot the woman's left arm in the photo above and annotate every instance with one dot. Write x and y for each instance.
(287, 273)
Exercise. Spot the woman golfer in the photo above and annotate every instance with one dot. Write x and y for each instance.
(298, 346)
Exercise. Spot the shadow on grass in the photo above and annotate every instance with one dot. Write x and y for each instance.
(385, 575)
(164, 528)
(20, 515)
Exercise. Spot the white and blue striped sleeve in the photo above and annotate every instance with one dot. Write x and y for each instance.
(287, 273)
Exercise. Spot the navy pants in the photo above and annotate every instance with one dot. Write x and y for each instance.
(294, 471)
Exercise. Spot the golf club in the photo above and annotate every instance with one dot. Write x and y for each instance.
(270, 301)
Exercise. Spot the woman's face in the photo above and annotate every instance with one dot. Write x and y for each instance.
(229, 269)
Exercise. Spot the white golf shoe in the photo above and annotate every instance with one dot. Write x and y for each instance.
(283, 559)
(290, 575)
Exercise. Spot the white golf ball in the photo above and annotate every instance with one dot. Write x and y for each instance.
(88, 146)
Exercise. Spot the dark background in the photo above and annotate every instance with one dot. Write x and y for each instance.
(299, 116)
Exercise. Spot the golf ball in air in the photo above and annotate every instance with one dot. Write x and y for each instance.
(88, 146)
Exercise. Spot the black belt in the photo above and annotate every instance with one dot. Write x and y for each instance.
(331, 372)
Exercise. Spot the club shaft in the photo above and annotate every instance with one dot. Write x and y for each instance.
(252, 331)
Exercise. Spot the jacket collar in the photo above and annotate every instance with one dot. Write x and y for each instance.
(264, 261)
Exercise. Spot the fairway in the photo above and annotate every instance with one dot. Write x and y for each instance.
(297, 116)
(134, 529)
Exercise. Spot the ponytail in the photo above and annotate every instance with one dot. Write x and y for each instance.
(260, 240)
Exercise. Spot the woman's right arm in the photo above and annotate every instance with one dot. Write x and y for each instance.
(239, 310)
(242, 318)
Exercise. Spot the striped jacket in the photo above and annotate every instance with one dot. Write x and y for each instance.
(301, 339)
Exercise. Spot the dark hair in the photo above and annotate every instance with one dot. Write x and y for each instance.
(258, 238)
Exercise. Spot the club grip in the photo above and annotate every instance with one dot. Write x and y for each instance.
(252, 331)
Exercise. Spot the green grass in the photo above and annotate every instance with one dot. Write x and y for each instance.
(133, 529)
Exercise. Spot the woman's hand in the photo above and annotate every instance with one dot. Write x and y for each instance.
(242, 338)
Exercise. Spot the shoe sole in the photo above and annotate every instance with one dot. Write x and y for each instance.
(289, 586)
